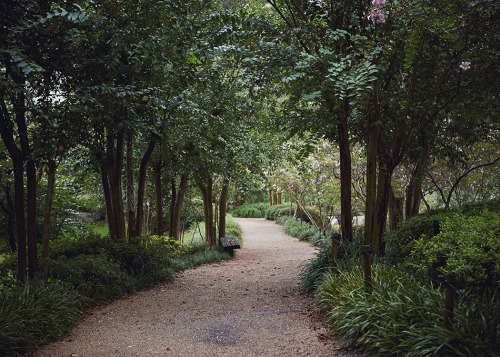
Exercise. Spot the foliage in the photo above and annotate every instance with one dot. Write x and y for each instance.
(276, 211)
(83, 271)
(233, 229)
(252, 210)
(35, 313)
(400, 242)
(467, 246)
(402, 316)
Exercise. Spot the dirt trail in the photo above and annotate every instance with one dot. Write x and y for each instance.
(249, 306)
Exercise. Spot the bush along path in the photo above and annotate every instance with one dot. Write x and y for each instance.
(252, 305)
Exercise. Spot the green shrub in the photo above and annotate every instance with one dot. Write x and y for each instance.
(83, 271)
(35, 313)
(317, 268)
(233, 229)
(276, 212)
(273, 213)
(399, 243)
(467, 246)
(254, 210)
(95, 277)
(247, 211)
(402, 316)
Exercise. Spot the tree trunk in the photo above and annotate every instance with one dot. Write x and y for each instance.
(179, 201)
(141, 186)
(414, 188)
(345, 176)
(222, 206)
(10, 213)
(16, 155)
(371, 178)
(116, 188)
(173, 188)
(51, 180)
(206, 191)
(383, 189)
(158, 194)
(107, 199)
(395, 210)
(131, 232)
(270, 197)
(22, 130)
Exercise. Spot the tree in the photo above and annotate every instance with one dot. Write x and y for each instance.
(423, 74)
(34, 66)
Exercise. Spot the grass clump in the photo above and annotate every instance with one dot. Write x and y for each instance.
(35, 313)
(401, 315)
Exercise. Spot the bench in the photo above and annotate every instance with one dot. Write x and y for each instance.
(229, 244)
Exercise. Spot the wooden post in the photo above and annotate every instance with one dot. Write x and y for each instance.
(449, 301)
(335, 248)
(368, 267)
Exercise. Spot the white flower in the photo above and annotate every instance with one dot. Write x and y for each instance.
(465, 66)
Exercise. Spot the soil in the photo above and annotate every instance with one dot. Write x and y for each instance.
(251, 305)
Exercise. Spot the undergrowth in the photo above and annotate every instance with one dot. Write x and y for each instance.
(402, 315)
(84, 271)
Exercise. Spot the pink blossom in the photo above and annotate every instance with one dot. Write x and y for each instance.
(465, 66)
(378, 3)
(378, 17)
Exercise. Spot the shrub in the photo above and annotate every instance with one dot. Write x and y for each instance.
(467, 246)
(233, 229)
(254, 210)
(35, 313)
(401, 316)
(275, 212)
(95, 277)
(247, 211)
(83, 271)
(399, 243)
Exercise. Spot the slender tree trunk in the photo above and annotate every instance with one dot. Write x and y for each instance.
(207, 190)
(16, 155)
(371, 178)
(395, 210)
(142, 184)
(22, 129)
(345, 176)
(11, 216)
(172, 207)
(222, 206)
(107, 199)
(116, 188)
(51, 181)
(383, 189)
(131, 232)
(270, 197)
(176, 216)
(158, 192)
(414, 188)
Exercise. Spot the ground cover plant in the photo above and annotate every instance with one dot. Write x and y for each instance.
(402, 314)
(84, 271)
(251, 210)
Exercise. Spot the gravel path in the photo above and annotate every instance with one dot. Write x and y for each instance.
(249, 306)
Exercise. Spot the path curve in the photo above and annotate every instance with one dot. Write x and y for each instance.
(251, 305)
